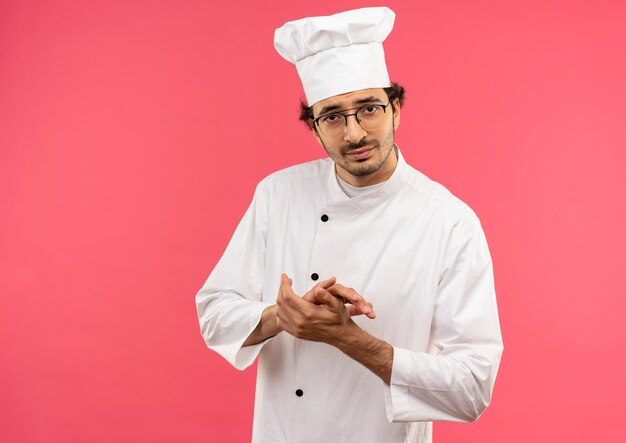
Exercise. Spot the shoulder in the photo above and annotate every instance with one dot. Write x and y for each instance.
(302, 174)
(437, 197)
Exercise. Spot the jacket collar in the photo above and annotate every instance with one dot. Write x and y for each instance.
(339, 201)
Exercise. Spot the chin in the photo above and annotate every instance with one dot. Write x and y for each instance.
(362, 169)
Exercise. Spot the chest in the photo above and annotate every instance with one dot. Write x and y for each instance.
(390, 253)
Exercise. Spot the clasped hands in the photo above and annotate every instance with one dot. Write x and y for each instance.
(323, 314)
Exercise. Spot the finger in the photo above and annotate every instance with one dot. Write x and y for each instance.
(324, 284)
(351, 296)
(279, 297)
(348, 293)
(328, 299)
(310, 296)
(327, 283)
(285, 285)
(293, 303)
(286, 311)
(286, 294)
(366, 308)
(285, 279)
(355, 310)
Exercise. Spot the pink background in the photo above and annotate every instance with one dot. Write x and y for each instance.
(133, 133)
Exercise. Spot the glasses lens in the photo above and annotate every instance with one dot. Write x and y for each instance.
(332, 124)
(371, 117)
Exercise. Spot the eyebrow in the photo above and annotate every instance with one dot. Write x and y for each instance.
(330, 108)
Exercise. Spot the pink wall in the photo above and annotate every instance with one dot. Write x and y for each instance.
(132, 134)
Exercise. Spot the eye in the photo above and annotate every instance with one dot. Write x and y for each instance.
(331, 119)
(369, 110)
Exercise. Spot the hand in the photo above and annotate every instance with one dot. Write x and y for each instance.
(322, 317)
(358, 305)
(268, 325)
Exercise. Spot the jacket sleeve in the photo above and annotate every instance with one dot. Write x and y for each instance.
(454, 382)
(230, 303)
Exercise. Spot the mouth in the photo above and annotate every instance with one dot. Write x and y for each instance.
(361, 153)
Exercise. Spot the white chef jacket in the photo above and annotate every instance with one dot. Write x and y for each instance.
(412, 249)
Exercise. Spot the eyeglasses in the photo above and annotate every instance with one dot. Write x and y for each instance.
(370, 117)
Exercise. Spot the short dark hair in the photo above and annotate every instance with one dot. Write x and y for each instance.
(395, 91)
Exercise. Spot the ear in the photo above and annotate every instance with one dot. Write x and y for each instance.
(396, 113)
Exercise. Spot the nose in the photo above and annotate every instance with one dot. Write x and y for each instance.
(353, 132)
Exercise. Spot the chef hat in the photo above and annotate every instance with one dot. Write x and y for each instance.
(338, 53)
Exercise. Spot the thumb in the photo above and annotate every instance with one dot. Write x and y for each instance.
(285, 280)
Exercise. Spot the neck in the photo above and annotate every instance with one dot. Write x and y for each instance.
(383, 174)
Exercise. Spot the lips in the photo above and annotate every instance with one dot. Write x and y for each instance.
(360, 154)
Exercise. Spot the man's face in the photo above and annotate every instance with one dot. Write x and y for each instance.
(363, 157)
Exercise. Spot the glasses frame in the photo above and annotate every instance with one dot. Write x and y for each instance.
(345, 116)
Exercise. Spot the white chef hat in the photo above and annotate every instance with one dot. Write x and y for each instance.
(338, 53)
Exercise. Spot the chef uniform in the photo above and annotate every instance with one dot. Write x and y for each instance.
(408, 246)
